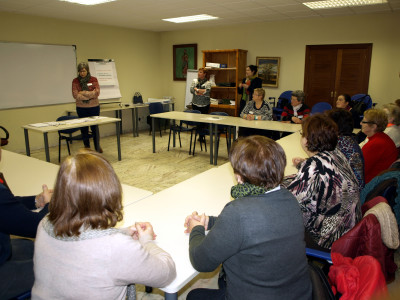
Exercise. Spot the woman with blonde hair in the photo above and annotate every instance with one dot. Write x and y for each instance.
(379, 151)
(78, 251)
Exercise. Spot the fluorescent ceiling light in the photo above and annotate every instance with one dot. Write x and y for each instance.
(341, 3)
(88, 2)
(191, 19)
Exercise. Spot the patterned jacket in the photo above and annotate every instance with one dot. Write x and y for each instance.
(327, 191)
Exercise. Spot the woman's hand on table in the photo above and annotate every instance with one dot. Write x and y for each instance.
(296, 120)
(297, 160)
(44, 197)
(194, 220)
(142, 230)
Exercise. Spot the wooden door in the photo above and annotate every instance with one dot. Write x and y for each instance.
(332, 70)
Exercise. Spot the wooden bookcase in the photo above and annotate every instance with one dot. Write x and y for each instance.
(236, 61)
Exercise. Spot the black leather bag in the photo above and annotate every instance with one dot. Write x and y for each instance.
(4, 141)
(137, 98)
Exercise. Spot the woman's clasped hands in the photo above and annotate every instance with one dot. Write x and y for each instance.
(194, 220)
(142, 231)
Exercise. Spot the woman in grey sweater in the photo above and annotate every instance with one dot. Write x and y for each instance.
(258, 237)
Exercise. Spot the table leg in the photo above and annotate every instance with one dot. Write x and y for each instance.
(173, 134)
(153, 134)
(171, 296)
(118, 139)
(118, 115)
(46, 146)
(211, 142)
(216, 144)
(134, 120)
(27, 147)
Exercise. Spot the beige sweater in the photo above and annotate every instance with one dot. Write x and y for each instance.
(97, 268)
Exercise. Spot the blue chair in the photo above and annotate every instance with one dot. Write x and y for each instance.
(319, 254)
(23, 296)
(360, 103)
(67, 135)
(155, 108)
(283, 100)
(190, 127)
(320, 107)
(221, 129)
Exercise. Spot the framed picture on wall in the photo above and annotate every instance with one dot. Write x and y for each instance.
(185, 57)
(268, 70)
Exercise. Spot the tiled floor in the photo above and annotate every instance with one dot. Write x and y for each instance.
(157, 171)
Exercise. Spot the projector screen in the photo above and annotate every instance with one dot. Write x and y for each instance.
(36, 74)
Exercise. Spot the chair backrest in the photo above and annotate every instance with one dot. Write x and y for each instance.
(220, 113)
(191, 111)
(155, 108)
(362, 97)
(283, 100)
(66, 118)
(320, 107)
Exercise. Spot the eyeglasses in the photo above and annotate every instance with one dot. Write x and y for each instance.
(367, 122)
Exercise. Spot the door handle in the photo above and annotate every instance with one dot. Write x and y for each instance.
(331, 94)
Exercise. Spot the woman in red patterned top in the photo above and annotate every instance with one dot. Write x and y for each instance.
(86, 91)
(296, 111)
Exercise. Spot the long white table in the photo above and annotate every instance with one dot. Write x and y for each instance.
(45, 130)
(223, 120)
(25, 176)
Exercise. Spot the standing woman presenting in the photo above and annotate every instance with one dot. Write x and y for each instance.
(248, 85)
(86, 91)
(200, 89)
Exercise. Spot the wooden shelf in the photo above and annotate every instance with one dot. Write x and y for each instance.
(235, 60)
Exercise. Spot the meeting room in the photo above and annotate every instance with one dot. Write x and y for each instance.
(171, 149)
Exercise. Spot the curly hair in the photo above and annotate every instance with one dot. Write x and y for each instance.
(320, 132)
(258, 160)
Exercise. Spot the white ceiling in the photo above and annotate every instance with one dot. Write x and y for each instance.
(148, 14)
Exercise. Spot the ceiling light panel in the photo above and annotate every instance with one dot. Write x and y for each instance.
(191, 19)
(341, 3)
(88, 2)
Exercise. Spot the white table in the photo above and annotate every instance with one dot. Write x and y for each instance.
(207, 192)
(223, 120)
(291, 145)
(47, 129)
(119, 107)
(25, 176)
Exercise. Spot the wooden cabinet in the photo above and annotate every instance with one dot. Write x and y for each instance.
(227, 79)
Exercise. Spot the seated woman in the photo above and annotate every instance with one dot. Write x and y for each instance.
(347, 142)
(78, 252)
(296, 111)
(16, 255)
(256, 109)
(379, 151)
(393, 126)
(325, 186)
(258, 237)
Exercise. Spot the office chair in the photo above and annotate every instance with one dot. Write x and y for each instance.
(66, 135)
(320, 107)
(155, 108)
(190, 127)
(321, 288)
(283, 100)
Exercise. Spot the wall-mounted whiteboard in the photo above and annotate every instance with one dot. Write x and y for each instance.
(191, 75)
(36, 74)
(106, 73)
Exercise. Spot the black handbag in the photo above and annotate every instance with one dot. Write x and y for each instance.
(4, 141)
(137, 98)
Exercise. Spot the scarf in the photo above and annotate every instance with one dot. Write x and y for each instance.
(200, 82)
(296, 108)
(246, 189)
(83, 81)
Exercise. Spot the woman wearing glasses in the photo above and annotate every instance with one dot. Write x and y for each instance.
(379, 151)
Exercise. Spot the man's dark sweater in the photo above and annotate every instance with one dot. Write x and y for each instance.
(16, 218)
(260, 242)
